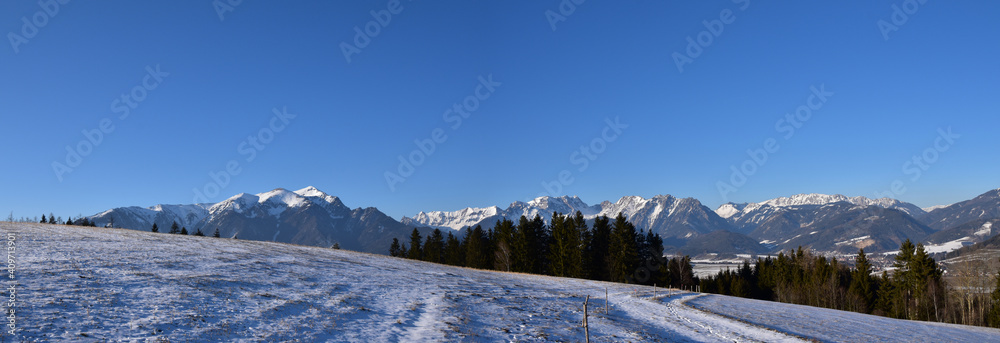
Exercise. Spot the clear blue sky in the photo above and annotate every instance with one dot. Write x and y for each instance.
(606, 60)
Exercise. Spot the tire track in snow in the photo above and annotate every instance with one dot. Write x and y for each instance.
(673, 317)
(673, 310)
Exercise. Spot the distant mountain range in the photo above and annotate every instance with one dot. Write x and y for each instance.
(307, 216)
(826, 223)
(673, 218)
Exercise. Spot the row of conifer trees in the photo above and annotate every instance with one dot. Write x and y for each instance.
(607, 250)
(915, 289)
(180, 230)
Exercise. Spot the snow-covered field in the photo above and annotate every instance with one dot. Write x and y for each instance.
(839, 326)
(91, 284)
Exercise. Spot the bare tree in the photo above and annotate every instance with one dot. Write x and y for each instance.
(504, 259)
(973, 277)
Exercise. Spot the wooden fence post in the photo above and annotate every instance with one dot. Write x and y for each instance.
(586, 328)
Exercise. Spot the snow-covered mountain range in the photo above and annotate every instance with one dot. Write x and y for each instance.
(832, 222)
(826, 222)
(134, 216)
(669, 216)
(746, 217)
(728, 210)
(307, 216)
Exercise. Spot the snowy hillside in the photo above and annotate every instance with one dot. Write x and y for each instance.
(95, 284)
(144, 217)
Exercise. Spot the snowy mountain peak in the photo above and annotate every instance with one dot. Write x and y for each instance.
(935, 207)
(665, 214)
(560, 203)
(455, 220)
(310, 192)
(313, 192)
(631, 199)
(730, 209)
(823, 199)
(282, 196)
(749, 215)
(238, 203)
(805, 199)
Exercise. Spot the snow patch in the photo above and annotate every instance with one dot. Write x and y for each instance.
(853, 240)
(985, 229)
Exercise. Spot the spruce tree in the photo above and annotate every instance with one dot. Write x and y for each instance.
(52, 218)
(199, 233)
(585, 240)
(504, 245)
(522, 252)
(652, 258)
(929, 288)
(529, 246)
(85, 222)
(543, 237)
(688, 280)
(623, 255)
(336, 246)
(862, 288)
(43, 220)
(69, 221)
(216, 234)
(904, 281)
(477, 251)
(155, 228)
(415, 252)
(453, 251)
(598, 249)
(394, 247)
(434, 247)
(565, 256)
(673, 278)
(174, 228)
(184, 231)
